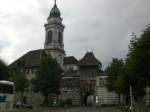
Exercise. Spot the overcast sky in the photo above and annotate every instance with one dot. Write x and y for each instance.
(101, 26)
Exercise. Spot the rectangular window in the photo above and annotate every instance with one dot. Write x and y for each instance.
(6, 88)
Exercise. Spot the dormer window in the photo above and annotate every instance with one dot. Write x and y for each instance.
(49, 37)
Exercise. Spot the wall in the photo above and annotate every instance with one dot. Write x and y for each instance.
(68, 67)
(103, 96)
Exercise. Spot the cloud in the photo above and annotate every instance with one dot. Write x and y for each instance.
(3, 42)
(103, 26)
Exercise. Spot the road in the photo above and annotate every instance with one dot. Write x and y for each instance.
(73, 109)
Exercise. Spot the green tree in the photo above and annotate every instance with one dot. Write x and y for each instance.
(116, 78)
(21, 83)
(119, 84)
(4, 72)
(48, 78)
(138, 63)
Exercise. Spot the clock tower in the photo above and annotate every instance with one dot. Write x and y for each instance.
(54, 29)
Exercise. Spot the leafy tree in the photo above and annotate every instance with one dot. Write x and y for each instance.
(4, 73)
(21, 83)
(116, 78)
(48, 78)
(114, 69)
(138, 63)
(119, 84)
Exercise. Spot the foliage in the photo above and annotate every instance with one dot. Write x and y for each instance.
(119, 84)
(69, 102)
(66, 102)
(21, 82)
(115, 80)
(135, 71)
(62, 102)
(48, 77)
(4, 73)
(138, 62)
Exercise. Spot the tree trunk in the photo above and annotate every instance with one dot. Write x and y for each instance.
(46, 100)
(21, 97)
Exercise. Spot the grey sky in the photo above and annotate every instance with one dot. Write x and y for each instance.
(103, 26)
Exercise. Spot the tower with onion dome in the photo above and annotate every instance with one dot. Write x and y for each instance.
(54, 29)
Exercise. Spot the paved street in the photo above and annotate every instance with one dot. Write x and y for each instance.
(73, 109)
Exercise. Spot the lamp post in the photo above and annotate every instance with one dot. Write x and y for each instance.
(131, 99)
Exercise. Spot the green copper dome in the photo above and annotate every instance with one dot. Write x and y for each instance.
(55, 12)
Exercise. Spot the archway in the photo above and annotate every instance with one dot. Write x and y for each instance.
(88, 99)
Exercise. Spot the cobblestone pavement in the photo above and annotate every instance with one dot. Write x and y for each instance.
(73, 109)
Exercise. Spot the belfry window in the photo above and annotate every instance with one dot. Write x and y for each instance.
(49, 37)
(60, 37)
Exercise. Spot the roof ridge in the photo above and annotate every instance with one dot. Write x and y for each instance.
(31, 58)
(89, 59)
(34, 50)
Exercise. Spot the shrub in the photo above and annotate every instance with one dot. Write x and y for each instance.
(62, 103)
(68, 102)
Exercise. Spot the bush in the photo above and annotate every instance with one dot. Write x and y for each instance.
(62, 103)
(68, 102)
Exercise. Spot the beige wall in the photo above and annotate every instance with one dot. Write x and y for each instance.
(102, 94)
(68, 67)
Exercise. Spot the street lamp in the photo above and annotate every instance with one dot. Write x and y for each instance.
(131, 99)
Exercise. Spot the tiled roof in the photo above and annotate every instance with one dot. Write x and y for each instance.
(89, 60)
(70, 60)
(30, 59)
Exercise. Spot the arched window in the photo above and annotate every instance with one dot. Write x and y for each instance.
(49, 37)
(60, 37)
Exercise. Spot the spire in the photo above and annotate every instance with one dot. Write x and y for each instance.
(55, 11)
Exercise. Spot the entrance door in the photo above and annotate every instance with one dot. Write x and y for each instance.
(88, 100)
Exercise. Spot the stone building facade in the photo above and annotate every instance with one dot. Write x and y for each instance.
(103, 96)
(81, 80)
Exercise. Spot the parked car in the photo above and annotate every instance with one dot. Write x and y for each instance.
(19, 105)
